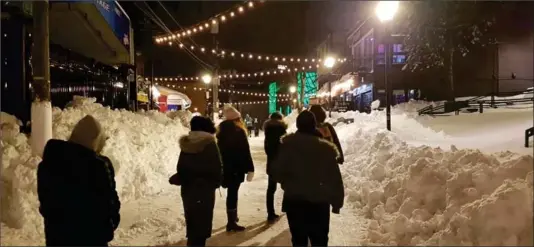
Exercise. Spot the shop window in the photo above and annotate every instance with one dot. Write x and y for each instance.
(381, 49)
(399, 59)
(398, 48)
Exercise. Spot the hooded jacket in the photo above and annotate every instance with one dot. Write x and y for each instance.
(307, 170)
(274, 130)
(199, 164)
(76, 189)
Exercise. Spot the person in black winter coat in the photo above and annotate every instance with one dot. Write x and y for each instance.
(306, 168)
(237, 161)
(274, 129)
(199, 173)
(76, 189)
(327, 130)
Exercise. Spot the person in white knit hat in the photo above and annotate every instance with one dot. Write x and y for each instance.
(237, 161)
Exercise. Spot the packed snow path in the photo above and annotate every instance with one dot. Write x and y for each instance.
(160, 220)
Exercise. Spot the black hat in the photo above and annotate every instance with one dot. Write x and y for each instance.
(306, 122)
(276, 116)
(200, 123)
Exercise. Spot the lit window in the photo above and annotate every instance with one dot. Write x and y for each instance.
(381, 49)
(399, 59)
(397, 48)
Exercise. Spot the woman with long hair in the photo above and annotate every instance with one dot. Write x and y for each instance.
(199, 174)
(237, 161)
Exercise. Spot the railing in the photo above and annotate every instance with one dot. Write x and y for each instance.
(433, 110)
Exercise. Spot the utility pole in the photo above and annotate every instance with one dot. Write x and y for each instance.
(41, 110)
(386, 71)
(216, 80)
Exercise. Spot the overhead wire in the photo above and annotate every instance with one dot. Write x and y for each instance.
(155, 18)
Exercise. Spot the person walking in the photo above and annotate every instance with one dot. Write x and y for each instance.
(237, 161)
(199, 173)
(327, 130)
(250, 125)
(307, 170)
(76, 189)
(274, 129)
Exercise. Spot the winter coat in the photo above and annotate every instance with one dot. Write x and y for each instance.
(199, 171)
(274, 130)
(235, 152)
(78, 200)
(333, 139)
(307, 170)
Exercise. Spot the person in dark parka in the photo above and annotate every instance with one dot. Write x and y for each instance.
(274, 129)
(76, 189)
(237, 161)
(199, 172)
(307, 170)
(327, 130)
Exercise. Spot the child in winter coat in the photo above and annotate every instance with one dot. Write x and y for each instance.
(199, 173)
(237, 161)
(327, 130)
(310, 177)
(76, 189)
(274, 129)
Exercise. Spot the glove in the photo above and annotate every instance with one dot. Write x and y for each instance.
(250, 176)
(335, 210)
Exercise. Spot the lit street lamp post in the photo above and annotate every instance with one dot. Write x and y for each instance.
(329, 63)
(385, 11)
(207, 80)
(292, 90)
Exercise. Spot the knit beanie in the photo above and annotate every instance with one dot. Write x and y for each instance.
(306, 122)
(230, 113)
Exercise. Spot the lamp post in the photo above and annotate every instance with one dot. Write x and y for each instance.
(292, 90)
(385, 12)
(329, 63)
(207, 80)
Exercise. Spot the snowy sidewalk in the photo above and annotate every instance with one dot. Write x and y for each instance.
(159, 221)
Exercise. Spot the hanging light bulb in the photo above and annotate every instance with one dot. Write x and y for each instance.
(213, 22)
(202, 49)
(223, 18)
(241, 9)
(250, 4)
(206, 25)
(232, 14)
(200, 28)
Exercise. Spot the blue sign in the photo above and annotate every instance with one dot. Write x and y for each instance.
(117, 20)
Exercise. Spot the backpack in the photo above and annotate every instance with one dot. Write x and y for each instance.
(325, 131)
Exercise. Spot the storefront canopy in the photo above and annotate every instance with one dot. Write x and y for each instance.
(96, 29)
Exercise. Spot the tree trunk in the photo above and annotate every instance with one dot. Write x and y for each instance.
(41, 111)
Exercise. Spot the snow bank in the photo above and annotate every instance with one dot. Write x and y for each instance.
(143, 148)
(428, 196)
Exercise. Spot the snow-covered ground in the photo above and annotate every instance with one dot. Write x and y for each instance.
(404, 187)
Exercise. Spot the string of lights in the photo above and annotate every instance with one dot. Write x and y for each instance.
(224, 90)
(233, 54)
(205, 25)
(278, 71)
(254, 102)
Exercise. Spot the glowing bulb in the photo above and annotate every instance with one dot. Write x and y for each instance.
(202, 49)
(232, 14)
(250, 4)
(214, 22)
(200, 28)
(207, 25)
(170, 43)
(188, 31)
(174, 36)
(192, 47)
(232, 54)
(181, 45)
(241, 9)
(259, 57)
(223, 18)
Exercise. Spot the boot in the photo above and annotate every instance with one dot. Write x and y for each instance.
(272, 217)
(196, 242)
(232, 225)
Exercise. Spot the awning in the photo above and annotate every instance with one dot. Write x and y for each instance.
(96, 29)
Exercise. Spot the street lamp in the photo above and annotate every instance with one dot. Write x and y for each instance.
(329, 62)
(206, 78)
(292, 89)
(385, 12)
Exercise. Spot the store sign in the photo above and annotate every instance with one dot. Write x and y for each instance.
(117, 19)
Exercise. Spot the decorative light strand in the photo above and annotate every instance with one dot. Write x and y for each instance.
(232, 54)
(253, 102)
(242, 75)
(205, 25)
(224, 90)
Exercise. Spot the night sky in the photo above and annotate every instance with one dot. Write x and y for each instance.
(275, 28)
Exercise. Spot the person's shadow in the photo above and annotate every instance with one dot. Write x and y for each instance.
(222, 238)
(282, 239)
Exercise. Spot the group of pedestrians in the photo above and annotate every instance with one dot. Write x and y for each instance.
(80, 206)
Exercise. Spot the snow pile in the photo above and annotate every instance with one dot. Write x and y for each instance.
(428, 196)
(143, 148)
